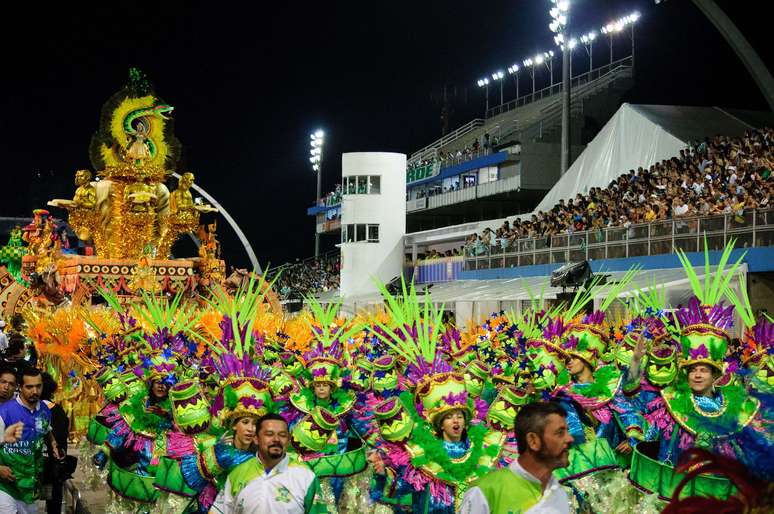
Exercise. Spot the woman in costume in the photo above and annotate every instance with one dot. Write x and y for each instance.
(448, 445)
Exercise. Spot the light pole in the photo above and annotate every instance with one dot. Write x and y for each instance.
(559, 14)
(317, 139)
(632, 19)
(588, 44)
(514, 70)
(528, 64)
(485, 84)
(498, 76)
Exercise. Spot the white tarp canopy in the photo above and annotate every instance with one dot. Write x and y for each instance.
(639, 135)
(629, 140)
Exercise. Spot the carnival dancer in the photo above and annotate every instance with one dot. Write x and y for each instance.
(324, 402)
(449, 446)
(756, 354)
(242, 397)
(528, 484)
(693, 411)
(273, 480)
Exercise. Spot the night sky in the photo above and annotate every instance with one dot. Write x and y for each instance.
(249, 81)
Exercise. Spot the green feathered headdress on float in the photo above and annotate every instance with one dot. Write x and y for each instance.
(705, 321)
(135, 111)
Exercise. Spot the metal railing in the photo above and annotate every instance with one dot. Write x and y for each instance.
(464, 194)
(754, 228)
(430, 150)
(576, 81)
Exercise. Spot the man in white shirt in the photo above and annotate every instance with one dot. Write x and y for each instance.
(273, 482)
(528, 485)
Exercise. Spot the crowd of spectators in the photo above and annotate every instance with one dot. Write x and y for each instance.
(332, 198)
(314, 275)
(433, 254)
(447, 158)
(721, 175)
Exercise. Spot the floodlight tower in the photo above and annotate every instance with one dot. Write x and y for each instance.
(316, 141)
(498, 76)
(560, 14)
(588, 44)
(514, 70)
(528, 63)
(485, 84)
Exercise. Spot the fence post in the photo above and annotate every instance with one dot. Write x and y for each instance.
(649, 227)
(698, 232)
(673, 235)
(725, 229)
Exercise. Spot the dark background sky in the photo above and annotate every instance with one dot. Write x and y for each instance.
(249, 81)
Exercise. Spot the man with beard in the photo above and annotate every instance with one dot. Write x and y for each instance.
(272, 481)
(528, 485)
(19, 491)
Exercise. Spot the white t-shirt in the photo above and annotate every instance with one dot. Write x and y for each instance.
(681, 209)
(281, 491)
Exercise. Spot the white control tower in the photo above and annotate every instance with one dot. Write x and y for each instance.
(373, 220)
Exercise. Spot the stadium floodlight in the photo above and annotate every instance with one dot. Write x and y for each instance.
(316, 142)
(498, 76)
(538, 59)
(527, 62)
(514, 70)
(484, 82)
(619, 25)
(558, 15)
(588, 44)
(572, 43)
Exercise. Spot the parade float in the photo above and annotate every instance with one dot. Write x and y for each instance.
(126, 221)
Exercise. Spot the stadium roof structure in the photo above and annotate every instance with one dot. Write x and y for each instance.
(642, 135)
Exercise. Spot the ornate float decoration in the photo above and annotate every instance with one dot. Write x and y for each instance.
(124, 212)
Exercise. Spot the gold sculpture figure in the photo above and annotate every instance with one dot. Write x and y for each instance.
(81, 208)
(181, 199)
(86, 194)
(141, 196)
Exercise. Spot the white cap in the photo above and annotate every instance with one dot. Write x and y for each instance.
(2, 324)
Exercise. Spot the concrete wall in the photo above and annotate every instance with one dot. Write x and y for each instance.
(362, 262)
(760, 287)
(540, 164)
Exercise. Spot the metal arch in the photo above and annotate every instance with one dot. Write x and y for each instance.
(230, 220)
(744, 50)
